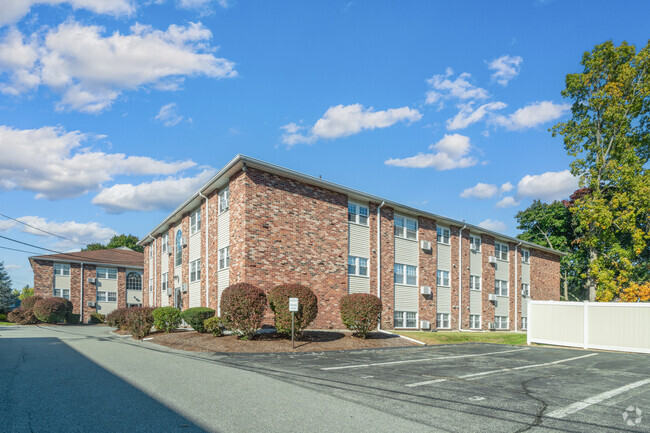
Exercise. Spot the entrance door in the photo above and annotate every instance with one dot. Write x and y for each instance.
(178, 298)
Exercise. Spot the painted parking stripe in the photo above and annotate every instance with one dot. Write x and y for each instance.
(575, 407)
(407, 361)
(426, 382)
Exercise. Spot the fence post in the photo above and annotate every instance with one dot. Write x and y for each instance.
(586, 325)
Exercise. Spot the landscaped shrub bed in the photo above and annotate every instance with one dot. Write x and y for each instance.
(117, 318)
(195, 317)
(166, 318)
(214, 325)
(29, 301)
(73, 319)
(139, 321)
(22, 316)
(3, 317)
(97, 318)
(242, 307)
(360, 312)
(51, 310)
(279, 302)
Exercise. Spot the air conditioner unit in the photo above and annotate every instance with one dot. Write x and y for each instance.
(92, 280)
(169, 252)
(183, 241)
(169, 291)
(184, 287)
(492, 259)
(472, 247)
(491, 326)
(425, 290)
(425, 245)
(91, 304)
(425, 324)
(492, 297)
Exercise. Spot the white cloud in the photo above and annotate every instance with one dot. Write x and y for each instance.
(532, 115)
(506, 187)
(508, 201)
(168, 115)
(549, 186)
(467, 116)
(92, 70)
(505, 68)
(494, 225)
(156, 195)
(10, 266)
(201, 4)
(13, 10)
(6, 225)
(344, 120)
(444, 87)
(480, 190)
(451, 153)
(51, 162)
(89, 232)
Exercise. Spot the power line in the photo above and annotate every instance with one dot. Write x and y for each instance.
(30, 245)
(44, 231)
(20, 251)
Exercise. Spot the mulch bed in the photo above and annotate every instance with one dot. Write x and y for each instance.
(310, 341)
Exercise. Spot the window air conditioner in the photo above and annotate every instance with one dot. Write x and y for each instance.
(425, 324)
(472, 247)
(425, 245)
(169, 291)
(184, 287)
(183, 241)
(492, 259)
(492, 297)
(92, 280)
(91, 304)
(491, 326)
(425, 290)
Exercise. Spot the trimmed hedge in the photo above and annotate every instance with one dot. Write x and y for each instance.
(51, 310)
(97, 318)
(3, 317)
(117, 318)
(166, 319)
(360, 312)
(29, 301)
(23, 316)
(214, 325)
(196, 316)
(279, 302)
(242, 307)
(139, 321)
(73, 319)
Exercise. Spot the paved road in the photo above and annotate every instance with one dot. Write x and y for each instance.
(83, 379)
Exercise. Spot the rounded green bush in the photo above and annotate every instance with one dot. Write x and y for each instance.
(166, 319)
(97, 318)
(196, 316)
(214, 325)
(51, 310)
(139, 321)
(360, 312)
(279, 302)
(242, 308)
(73, 318)
(3, 317)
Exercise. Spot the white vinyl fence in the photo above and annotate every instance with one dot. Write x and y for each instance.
(622, 326)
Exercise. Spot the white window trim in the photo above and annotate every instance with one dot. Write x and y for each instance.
(224, 193)
(356, 267)
(507, 322)
(357, 214)
(527, 295)
(405, 277)
(448, 321)
(195, 227)
(502, 246)
(479, 243)
(524, 327)
(226, 258)
(441, 237)
(165, 243)
(61, 293)
(106, 273)
(404, 236)
(404, 321)
(196, 264)
(448, 278)
(479, 321)
(475, 278)
(524, 259)
(178, 249)
(498, 293)
(62, 267)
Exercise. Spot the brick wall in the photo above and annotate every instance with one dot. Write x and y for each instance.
(544, 276)
(185, 266)
(213, 203)
(513, 285)
(43, 277)
(487, 280)
(75, 286)
(387, 228)
(121, 287)
(90, 291)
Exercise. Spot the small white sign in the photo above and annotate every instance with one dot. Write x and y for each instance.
(293, 304)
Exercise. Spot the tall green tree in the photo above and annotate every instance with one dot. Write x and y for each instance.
(6, 297)
(609, 137)
(129, 241)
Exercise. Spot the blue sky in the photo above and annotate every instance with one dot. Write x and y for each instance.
(113, 111)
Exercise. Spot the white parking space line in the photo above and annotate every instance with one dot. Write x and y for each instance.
(435, 358)
(575, 407)
(427, 382)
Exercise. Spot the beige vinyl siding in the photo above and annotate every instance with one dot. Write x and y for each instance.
(195, 246)
(134, 296)
(406, 252)
(164, 300)
(62, 282)
(525, 273)
(358, 240)
(444, 257)
(106, 307)
(557, 322)
(501, 271)
(524, 307)
(525, 278)
(194, 254)
(152, 272)
(502, 306)
(443, 294)
(475, 300)
(475, 263)
(195, 294)
(357, 284)
(164, 267)
(406, 298)
(223, 240)
(178, 270)
(104, 284)
(476, 268)
(443, 299)
(223, 280)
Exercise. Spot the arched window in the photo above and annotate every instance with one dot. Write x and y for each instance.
(179, 248)
(133, 281)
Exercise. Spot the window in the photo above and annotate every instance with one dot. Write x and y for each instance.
(179, 248)
(474, 321)
(405, 319)
(443, 278)
(107, 273)
(474, 282)
(112, 296)
(106, 296)
(475, 243)
(406, 228)
(224, 257)
(357, 266)
(150, 247)
(62, 293)
(358, 214)
(133, 281)
(224, 200)
(195, 222)
(525, 290)
(443, 235)
(501, 287)
(101, 296)
(524, 323)
(525, 256)
(62, 269)
(501, 322)
(195, 270)
(165, 243)
(501, 251)
(405, 274)
(442, 320)
(164, 281)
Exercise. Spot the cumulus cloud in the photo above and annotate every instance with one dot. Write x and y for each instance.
(480, 190)
(443, 87)
(508, 201)
(467, 115)
(505, 68)
(92, 70)
(88, 232)
(532, 115)
(163, 194)
(494, 225)
(52, 163)
(506, 187)
(549, 186)
(168, 115)
(451, 152)
(201, 4)
(344, 120)
(13, 10)
(10, 266)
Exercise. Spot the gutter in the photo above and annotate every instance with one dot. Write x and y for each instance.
(460, 277)
(517, 285)
(207, 251)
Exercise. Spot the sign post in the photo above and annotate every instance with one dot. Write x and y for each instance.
(293, 307)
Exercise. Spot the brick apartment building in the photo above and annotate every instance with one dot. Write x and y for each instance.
(94, 281)
(259, 223)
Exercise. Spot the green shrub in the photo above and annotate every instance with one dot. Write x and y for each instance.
(29, 301)
(3, 317)
(73, 318)
(279, 303)
(214, 325)
(166, 318)
(51, 310)
(117, 318)
(243, 308)
(360, 312)
(196, 316)
(97, 318)
(139, 321)
(22, 316)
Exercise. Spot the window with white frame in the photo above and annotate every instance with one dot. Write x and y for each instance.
(524, 323)
(406, 275)
(195, 270)
(525, 290)
(195, 222)
(525, 256)
(111, 296)
(474, 321)
(62, 293)
(224, 200)
(443, 278)
(164, 281)
(107, 273)
(133, 281)
(501, 251)
(501, 287)
(178, 251)
(442, 320)
(104, 296)
(224, 257)
(405, 319)
(443, 235)
(501, 322)
(475, 243)
(62, 269)
(474, 282)
(358, 214)
(406, 228)
(165, 242)
(357, 266)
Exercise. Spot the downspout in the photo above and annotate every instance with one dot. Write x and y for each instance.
(81, 295)
(207, 251)
(517, 285)
(379, 257)
(153, 292)
(460, 277)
